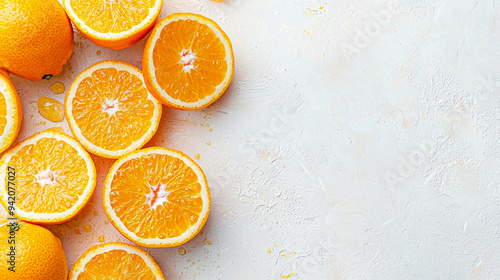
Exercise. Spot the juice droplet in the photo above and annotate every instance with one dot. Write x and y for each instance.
(106, 222)
(208, 143)
(56, 128)
(57, 88)
(197, 156)
(87, 228)
(98, 52)
(268, 250)
(101, 238)
(182, 251)
(207, 242)
(50, 109)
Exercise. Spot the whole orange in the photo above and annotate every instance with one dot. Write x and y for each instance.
(32, 252)
(36, 38)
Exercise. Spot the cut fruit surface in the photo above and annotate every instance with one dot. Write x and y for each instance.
(188, 61)
(10, 112)
(113, 24)
(51, 177)
(156, 197)
(110, 111)
(115, 260)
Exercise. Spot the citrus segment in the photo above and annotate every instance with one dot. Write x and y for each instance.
(188, 61)
(109, 109)
(115, 261)
(53, 177)
(156, 197)
(114, 24)
(10, 113)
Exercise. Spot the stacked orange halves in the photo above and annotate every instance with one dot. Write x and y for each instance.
(156, 197)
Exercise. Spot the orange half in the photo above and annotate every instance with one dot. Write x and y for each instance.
(115, 260)
(10, 112)
(110, 111)
(48, 178)
(114, 24)
(156, 197)
(188, 61)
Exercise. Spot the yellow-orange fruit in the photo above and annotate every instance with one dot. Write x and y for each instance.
(36, 38)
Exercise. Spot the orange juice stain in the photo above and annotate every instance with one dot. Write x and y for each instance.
(208, 143)
(87, 228)
(77, 231)
(288, 276)
(268, 250)
(207, 242)
(197, 156)
(101, 238)
(95, 213)
(182, 251)
(57, 88)
(98, 52)
(106, 222)
(50, 109)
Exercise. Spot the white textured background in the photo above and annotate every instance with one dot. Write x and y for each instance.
(358, 140)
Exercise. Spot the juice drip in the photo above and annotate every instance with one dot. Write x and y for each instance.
(50, 109)
(57, 88)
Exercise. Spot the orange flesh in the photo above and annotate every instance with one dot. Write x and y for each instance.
(111, 109)
(50, 176)
(112, 16)
(142, 182)
(3, 114)
(116, 264)
(184, 44)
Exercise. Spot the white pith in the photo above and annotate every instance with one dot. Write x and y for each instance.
(156, 242)
(46, 177)
(159, 194)
(83, 198)
(187, 60)
(155, 35)
(68, 104)
(110, 106)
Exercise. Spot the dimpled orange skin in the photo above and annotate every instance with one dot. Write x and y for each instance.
(39, 254)
(36, 38)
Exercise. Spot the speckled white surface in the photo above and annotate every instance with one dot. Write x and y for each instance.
(358, 140)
